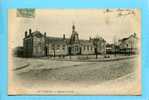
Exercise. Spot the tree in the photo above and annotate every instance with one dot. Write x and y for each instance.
(18, 51)
(69, 50)
(95, 43)
(115, 44)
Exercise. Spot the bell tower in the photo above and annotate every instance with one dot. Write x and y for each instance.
(74, 36)
(74, 42)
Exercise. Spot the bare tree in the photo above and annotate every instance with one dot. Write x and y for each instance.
(95, 43)
(115, 44)
(69, 50)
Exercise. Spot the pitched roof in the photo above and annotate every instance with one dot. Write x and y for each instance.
(57, 40)
(124, 39)
(86, 42)
(37, 33)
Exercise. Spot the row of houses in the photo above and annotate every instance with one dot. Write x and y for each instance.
(36, 44)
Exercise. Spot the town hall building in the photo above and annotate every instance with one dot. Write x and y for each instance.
(36, 44)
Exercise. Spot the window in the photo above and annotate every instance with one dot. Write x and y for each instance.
(58, 47)
(127, 45)
(88, 47)
(84, 47)
(63, 47)
(53, 46)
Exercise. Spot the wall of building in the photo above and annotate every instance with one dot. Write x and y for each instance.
(58, 49)
(75, 49)
(28, 47)
(101, 48)
(87, 49)
(38, 46)
(129, 45)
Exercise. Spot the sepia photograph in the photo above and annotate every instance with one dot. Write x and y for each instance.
(74, 51)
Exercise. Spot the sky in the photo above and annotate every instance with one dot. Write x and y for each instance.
(109, 24)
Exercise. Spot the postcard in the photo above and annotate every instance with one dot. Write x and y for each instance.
(74, 51)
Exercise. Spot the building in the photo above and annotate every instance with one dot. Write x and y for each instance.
(74, 45)
(129, 45)
(36, 44)
(87, 47)
(109, 48)
(112, 49)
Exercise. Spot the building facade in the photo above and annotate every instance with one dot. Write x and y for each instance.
(129, 45)
(36, 44)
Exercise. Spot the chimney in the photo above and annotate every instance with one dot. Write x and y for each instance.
(45, 34)
(64, 36)
(25, 34)
(30, 31)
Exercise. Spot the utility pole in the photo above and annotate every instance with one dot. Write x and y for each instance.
(114, 40)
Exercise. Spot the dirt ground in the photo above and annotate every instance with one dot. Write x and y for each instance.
(44, 72)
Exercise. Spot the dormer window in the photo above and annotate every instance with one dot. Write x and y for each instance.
(127, 45)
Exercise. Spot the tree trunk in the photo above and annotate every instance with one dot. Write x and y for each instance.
(96, 55)
(54, 53)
